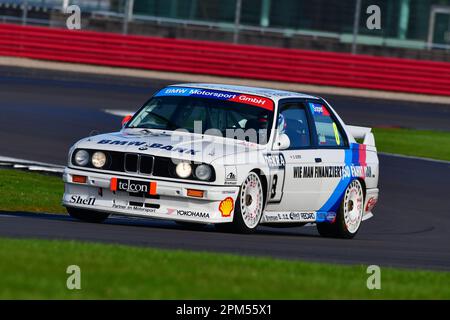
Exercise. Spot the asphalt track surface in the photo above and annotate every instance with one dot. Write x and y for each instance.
(43, 113)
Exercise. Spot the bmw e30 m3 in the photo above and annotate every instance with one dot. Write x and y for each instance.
(233, 156)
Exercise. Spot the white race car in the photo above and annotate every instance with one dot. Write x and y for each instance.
(232, 156)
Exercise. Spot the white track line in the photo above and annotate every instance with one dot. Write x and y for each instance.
(413, 157)
(119, 113)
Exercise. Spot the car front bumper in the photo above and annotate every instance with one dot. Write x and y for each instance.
(170, 200)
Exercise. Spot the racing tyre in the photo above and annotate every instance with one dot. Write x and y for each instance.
(327, 229)
(248, 207)
(87, 215)
(349, 217)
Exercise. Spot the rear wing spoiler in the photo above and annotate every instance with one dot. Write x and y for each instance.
(364, 133)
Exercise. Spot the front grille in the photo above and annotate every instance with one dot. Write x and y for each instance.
(146, 164)
(131, 162)
(164, 167)
(136, 164)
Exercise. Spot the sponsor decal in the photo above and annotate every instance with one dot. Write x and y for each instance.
(169, 147)
(283, 216)
(352, 171)
(275, 160)
(319, 109)
(88, 201)
(146, 146)
(257, 101)
(230, 175)
(317, 172)
(326, 216)
(121, 143)
(130, 186)
(290, 217)
(195, 214)
(228, 192)
(254, 101)
(133, 186)
(134, 208)
(226, 206)
(371, 203)
(303, 216)
(331, 217)
(270, 218)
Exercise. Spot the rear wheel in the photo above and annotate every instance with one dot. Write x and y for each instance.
(248, 208)
(349, 217)
(87, 215)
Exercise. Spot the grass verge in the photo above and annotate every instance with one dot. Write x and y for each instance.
(32, 192)
(420, 143)
(36, 269)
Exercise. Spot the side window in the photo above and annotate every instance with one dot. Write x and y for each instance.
(293, 121)
(328, 133)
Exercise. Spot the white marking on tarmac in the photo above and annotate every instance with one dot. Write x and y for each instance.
(119, 113)
(413, 157)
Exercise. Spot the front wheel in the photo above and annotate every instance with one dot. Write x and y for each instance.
(88, 215)
(349, 217)
(248, 208)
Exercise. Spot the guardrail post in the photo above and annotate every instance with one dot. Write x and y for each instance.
(356, 25)
(24, 12)
(127, 14)
(237, 21)
(264, 20)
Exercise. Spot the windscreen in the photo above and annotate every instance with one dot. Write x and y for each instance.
(208, 112)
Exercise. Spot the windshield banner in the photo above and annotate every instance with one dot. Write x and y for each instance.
(257, 101)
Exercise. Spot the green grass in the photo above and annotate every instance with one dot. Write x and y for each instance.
(33, 269)
(32, 192)
(421, 143)
(37, 269)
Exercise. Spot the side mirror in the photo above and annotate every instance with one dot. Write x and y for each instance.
(126, 119)
(282, 142)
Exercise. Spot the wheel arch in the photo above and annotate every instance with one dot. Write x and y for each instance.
(263, 177)
(363, 185)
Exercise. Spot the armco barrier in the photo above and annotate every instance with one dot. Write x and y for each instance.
(201, 57)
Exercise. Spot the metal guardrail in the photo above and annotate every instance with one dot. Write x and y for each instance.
(222, 59)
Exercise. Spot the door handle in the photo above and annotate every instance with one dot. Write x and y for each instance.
(318, 159)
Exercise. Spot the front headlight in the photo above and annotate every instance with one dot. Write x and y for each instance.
(98, 159)
(203, 172)
(183, 169)
(81, 158)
